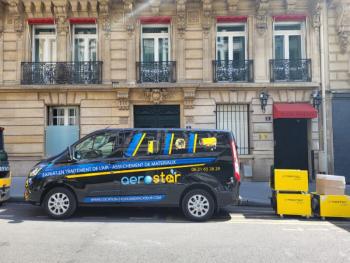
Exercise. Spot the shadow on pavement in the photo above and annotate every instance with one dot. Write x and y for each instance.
(15, 213)
(21, 212)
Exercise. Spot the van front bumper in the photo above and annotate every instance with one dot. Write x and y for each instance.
(4, 194)
(31, 194)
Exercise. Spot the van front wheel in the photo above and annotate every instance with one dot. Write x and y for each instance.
(60, 203)
(198, 205)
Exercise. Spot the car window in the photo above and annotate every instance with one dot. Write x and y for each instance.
(122, 141)
(150, 144)
(211, 142)
(175, 143)
(98, 146)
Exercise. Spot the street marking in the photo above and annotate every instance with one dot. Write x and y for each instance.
(319, 229)
(283, 222)
(298, 229)
(288, 253)
(142, 218)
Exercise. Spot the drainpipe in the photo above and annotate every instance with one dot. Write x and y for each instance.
(323, 45)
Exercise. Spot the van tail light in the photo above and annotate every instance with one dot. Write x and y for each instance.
(235, 161)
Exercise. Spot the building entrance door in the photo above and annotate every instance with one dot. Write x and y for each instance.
(341, 138)
(291, 144)
(157, 116)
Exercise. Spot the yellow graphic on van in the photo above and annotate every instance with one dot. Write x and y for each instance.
(209, 142)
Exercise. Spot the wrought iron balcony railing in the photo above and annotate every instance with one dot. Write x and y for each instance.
(233, 71)
(47, 73)
(156, 71)
(290, 70)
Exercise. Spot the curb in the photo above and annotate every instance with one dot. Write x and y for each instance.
(253, 204)
(16, 199)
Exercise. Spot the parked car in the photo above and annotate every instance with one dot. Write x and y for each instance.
(5, 175)
(196, 170)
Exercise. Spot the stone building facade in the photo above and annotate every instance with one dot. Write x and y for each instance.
(337, 85)
(70, 67)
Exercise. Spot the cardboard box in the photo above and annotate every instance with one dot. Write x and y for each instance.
(330, 184)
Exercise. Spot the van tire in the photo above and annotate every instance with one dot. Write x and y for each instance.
(60, 203)
(205, 202)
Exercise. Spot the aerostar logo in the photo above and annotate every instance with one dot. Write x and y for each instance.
(162, 178)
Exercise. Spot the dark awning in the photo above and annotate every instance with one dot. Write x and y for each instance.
(294, 111)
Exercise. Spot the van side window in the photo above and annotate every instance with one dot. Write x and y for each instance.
(211, 142)
(97, 146)
(150, 144)
(175, 143)
(144, 144)
(121, 144)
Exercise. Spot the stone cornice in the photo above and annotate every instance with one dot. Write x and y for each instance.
(290, 5)
(155, 5)
(262, 11)
(104, 15)
(342, 8)
(15, 9)
(181, 16)
(128, 6)
(315, 8)
(232, 5)
(207, 15)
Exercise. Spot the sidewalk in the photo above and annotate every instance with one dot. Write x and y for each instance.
(252, 193)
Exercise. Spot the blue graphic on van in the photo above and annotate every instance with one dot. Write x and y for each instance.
(105, 167)
(124, 199)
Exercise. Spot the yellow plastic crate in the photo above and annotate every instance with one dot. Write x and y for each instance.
(293, 204)
(290, 180)
(333, 205)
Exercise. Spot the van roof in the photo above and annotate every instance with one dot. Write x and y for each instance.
(166, 129)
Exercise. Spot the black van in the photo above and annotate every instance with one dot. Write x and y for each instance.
(196, 170)
(5, 175)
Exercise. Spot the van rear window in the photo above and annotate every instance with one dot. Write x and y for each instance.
(211, 142)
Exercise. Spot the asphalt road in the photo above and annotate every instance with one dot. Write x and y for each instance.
(242, 234)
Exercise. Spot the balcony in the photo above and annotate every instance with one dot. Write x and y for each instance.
(49, 73)
(155, 72)
(290, 70)
(233, 71)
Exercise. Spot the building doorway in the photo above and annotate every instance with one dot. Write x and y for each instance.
(62, 129)
(341, 138)
(291, 144)
(157, 116)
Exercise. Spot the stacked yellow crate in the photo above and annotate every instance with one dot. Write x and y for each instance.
(330, 199)
(290, 192)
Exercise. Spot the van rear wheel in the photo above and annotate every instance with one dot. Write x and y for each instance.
(198, 205)
(60, 203)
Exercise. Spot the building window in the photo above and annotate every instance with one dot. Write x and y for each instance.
(231, 64)
(63, 116)
(85, 43)
(44, 44)
(155, 65)
(235, 118)
(155, 45)
(289, 63)
(231, 42)
(289, 40)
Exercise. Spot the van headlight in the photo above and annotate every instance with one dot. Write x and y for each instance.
(35, 171)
